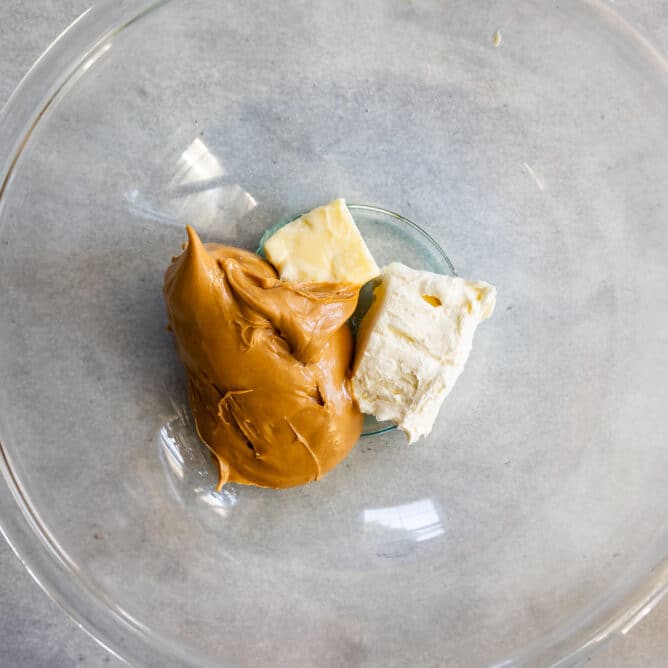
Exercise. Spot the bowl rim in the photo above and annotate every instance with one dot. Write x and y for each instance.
(125, 637)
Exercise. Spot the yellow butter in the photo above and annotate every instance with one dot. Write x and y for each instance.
(322, 245)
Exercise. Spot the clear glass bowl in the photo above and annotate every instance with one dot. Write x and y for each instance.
(531, 526)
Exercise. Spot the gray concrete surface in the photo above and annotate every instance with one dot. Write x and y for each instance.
(34, 631)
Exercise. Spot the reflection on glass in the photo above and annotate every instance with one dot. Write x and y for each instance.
(197, 164)
(140, 204)
(197, 193)
(96, 56)
(171, 452)
(191, 473)
(219, 502)
(419, 519)
(534, 176)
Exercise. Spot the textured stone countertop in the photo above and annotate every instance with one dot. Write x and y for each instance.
(34, 631)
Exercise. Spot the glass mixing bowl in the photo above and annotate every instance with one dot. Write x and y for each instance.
(530, 142)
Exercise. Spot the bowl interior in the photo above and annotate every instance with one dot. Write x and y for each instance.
(538, 163)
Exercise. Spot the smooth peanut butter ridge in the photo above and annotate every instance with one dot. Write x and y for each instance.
(268, 364)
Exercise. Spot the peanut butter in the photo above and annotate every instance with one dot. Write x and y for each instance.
(268, 364)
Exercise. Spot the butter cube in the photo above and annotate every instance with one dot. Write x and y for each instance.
(413, 343)
(322, 245)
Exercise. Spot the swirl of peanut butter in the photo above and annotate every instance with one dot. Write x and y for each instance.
(268, 364)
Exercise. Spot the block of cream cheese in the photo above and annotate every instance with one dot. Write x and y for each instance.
(414, 342)
(322, 245)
